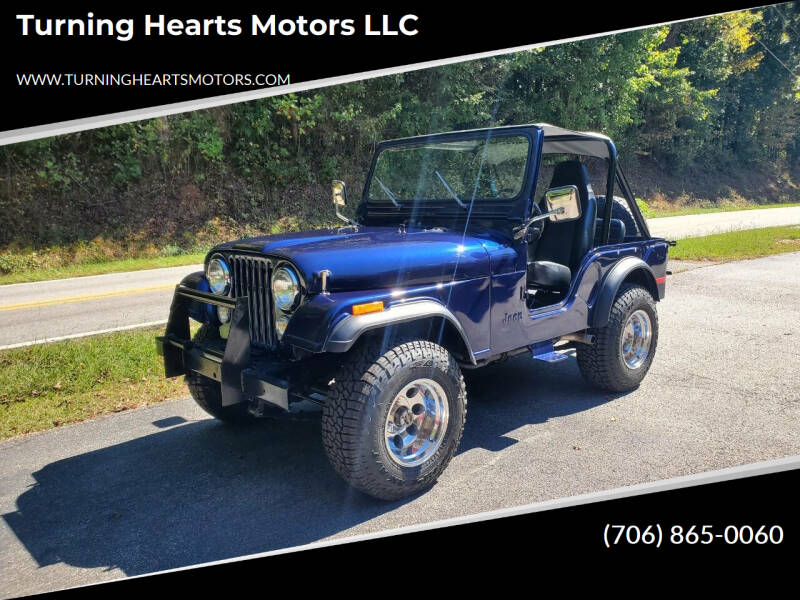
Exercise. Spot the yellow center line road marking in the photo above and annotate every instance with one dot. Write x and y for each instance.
(85, 297)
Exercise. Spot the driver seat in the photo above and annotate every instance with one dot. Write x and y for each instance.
(562, 246)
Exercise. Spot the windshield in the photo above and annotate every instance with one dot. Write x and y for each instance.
(456, 171)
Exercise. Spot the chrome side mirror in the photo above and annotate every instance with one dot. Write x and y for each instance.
(339, 192)
(563, 204)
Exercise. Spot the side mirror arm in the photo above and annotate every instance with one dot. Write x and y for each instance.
(346, 219)
(519, 232)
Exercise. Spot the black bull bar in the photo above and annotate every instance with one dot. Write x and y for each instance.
(233, 368)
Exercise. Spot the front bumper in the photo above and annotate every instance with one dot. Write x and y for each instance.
(233, 367)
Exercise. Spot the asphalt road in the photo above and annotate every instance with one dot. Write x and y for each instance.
(674, 228)
(165, 486)
(37, 312)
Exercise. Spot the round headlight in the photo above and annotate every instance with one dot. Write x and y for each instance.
(218, 275)
(285, 288)
(281, 323)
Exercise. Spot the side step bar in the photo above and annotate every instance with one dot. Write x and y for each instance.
(545, 352)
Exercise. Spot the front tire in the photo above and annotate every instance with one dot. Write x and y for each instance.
(395, 417)
(623, 350)
(208, 395)
(207, 392)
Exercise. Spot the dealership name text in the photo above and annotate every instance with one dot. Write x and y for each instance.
(159, 25)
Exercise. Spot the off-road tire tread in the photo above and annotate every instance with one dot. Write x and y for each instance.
(599, 363)
(207, 393)
(359, 381)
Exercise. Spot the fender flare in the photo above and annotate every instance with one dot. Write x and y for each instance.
(197, 310)
(611, 283)
(196, 281)
(347, 331)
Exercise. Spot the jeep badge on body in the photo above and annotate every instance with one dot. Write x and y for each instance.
(453, 261)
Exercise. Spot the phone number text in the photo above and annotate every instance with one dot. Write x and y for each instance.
(657, 534)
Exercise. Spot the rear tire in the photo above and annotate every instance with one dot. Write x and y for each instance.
(623, 350)
(395, 417)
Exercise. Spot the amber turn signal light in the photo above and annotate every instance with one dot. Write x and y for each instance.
(369, 307)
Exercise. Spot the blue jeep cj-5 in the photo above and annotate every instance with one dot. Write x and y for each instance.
(466, 248)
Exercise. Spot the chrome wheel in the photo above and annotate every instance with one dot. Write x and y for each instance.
(416, 423)
(634, 344)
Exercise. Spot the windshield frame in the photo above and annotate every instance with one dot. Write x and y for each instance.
(494, 207)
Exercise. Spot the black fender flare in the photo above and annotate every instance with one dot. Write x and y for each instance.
(197, 310)
(611, 283)
(194, 281)
(347, 331)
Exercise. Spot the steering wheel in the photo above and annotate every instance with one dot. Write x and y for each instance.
(537, 227)
(489, 177)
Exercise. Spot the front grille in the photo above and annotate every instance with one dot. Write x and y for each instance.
(251, 277)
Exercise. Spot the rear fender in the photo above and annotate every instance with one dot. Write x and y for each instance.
(630, 268)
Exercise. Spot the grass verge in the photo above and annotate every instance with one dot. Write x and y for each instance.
(48, 385)
(737, 245)
(100, 268)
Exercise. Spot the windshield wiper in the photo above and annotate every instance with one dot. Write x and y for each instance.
(450, 190)
(387, 191)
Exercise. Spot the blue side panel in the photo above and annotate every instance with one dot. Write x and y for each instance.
(513, 325)
(469, 302)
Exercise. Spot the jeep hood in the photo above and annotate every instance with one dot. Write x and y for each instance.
(376, 257)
